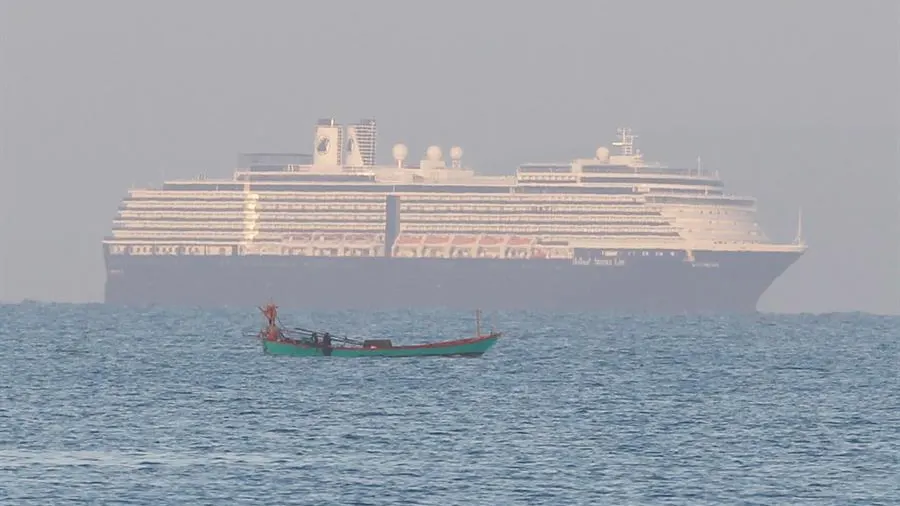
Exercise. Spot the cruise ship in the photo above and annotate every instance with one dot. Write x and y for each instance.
(334, 229)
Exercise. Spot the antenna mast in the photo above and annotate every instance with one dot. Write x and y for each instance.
(799, 238)
(626, 142)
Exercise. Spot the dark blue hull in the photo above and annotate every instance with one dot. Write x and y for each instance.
(716, 282)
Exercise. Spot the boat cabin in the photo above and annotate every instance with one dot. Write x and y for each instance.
(377, 343)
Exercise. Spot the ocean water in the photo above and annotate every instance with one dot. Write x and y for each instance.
(104, 405)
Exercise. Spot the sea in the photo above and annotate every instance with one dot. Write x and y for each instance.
(162, 406)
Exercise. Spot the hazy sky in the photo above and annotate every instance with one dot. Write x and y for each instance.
(795, 102)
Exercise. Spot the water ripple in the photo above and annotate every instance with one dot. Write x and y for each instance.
(100, 404)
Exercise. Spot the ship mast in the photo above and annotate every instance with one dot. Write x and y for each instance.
(626, 146)
(625, 142)
(799, 239)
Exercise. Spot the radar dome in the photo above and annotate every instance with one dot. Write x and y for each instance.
(602, 153)
(400, 151)
(456, 152)
(433, 153)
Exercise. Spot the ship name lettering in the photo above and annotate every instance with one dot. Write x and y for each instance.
(609, 262)
(601, 262)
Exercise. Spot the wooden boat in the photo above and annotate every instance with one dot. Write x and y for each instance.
(298, 342)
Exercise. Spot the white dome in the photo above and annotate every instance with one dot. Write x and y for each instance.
(602, 153)
(433, 153)
(456, 152)
(400, 151)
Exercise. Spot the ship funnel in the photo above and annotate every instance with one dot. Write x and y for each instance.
(364, 135)
(328, 147)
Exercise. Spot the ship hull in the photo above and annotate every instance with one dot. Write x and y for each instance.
(713, 282)
(474, 347)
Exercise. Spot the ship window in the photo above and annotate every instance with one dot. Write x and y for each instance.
(545, 169)
(379, 188)
(593, 190)
(257, 187)
(203, 187)
(606, 169)
(699, 201)
(451, 189)
(651, 180)
(334, 178)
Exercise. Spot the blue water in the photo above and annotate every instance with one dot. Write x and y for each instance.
(111, 406)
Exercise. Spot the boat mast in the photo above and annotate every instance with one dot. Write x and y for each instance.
(477, 323)
(799, 239)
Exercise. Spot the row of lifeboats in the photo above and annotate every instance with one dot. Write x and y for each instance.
(464, 240)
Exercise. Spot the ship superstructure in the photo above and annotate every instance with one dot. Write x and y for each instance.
(613, 211)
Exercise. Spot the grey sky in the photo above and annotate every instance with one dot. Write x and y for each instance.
(794, 102)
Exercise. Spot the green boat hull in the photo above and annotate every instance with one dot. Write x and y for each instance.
(462, 348)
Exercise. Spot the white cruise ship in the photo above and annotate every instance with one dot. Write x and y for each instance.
(333, 229)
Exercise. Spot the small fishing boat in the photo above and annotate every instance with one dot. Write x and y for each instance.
(297, 342)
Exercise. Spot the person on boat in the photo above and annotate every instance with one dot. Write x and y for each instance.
(271, 314)
(271, 330)
(326, 344)
(315, 338)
